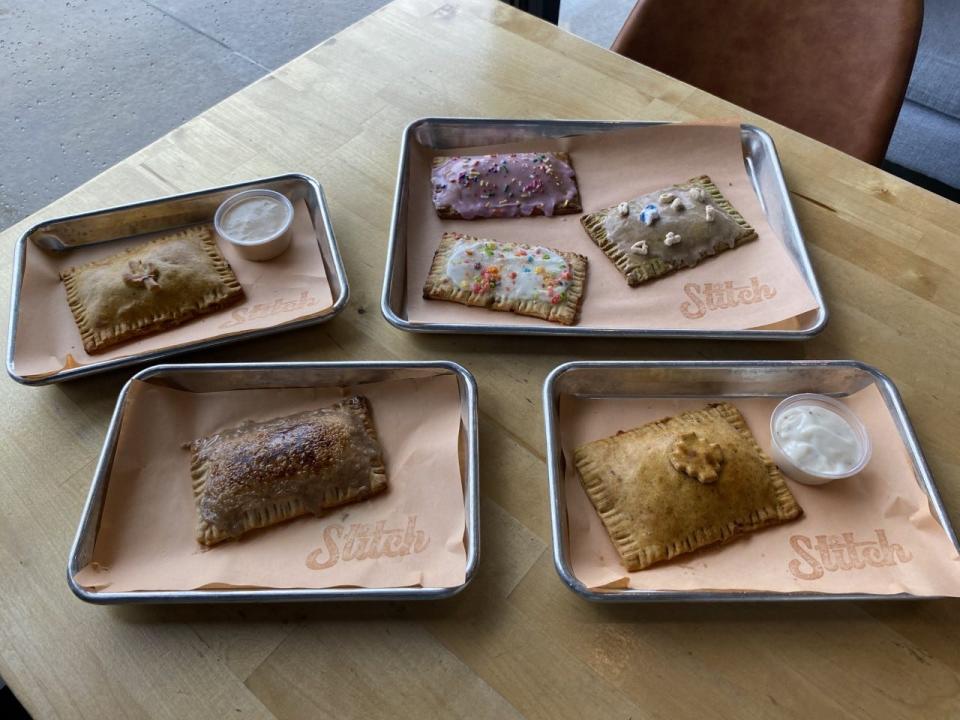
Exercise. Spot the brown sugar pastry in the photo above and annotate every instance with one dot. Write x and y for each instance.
(515, 277)
(509, 185)
(262, 473)
(667, 230)
(678, 484)
(150, 287)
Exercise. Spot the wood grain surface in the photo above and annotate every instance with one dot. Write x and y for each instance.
(516, 643)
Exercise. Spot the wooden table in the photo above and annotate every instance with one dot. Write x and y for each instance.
(516, 642)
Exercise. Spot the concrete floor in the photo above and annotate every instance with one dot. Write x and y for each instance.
(84, 83)
(598, 21)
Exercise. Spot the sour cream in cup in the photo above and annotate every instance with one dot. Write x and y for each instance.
(816, 439)
(256, 222)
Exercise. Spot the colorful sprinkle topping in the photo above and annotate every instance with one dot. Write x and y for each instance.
(510, 271)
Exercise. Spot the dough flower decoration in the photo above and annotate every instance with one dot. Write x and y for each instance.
(693, 456)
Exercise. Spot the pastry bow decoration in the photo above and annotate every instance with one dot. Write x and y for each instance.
(142, 273)
(692, 455)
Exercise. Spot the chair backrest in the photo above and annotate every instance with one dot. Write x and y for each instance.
(836, 70)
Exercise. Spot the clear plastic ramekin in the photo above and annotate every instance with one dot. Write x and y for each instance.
(265, 248)
(809, 477)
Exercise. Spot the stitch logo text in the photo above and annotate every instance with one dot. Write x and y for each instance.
(720, 296)
(842, 553)
(261, 310)
(366, 541)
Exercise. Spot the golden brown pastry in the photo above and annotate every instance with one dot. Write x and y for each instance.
(682, 483)
(508, 185)
(515, 277)
(150, 287)
(667, 230)
(259, 474)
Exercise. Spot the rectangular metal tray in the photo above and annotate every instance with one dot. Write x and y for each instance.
(706, 379)
(235, 376)
(167, 213)
(762, 166)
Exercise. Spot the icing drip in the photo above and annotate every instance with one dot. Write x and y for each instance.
(514, 185)
(680, 237)
(509, 271)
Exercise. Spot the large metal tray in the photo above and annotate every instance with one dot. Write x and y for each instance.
(762, 166)
(167, 213)
(236, 376)
(706, 379)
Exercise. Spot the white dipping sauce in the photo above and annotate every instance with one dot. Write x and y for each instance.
(254, 219)
(818, 440)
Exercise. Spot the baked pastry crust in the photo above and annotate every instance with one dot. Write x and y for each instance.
(466, 187)
(259, 474)
(679, 484)
(515, 277)
(700, 219)
(150, 287)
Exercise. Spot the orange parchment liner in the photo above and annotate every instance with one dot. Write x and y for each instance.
(873, 533)
(290, 287)
(146, 539)
(755, 285)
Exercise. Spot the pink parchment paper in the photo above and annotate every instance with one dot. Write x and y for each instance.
(290, 287)
(756, 285)
(146, 537)
(883, 511)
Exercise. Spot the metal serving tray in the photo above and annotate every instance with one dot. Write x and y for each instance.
(168, 213)
(762, 166)
(706, 379)
(236, 376)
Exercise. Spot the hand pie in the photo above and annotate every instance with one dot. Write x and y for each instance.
(259, 474)
(682, 483)
(667, 230)
(150, 287)
(524, 279)
(504, 186)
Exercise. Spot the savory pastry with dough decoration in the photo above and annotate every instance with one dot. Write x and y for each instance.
(261, 473)
(678, 484)
(509, 185)
(667, 230)
(515, 277)
(150, 287)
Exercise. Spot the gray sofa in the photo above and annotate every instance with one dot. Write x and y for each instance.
(927, 136)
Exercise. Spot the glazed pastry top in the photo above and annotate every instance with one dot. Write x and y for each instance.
(681, 225)
(508, 185)
(508, 270)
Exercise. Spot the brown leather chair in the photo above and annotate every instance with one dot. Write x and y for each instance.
(836, 70)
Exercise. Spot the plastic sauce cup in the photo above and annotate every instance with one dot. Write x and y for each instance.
(805, 475)
(265, 238)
